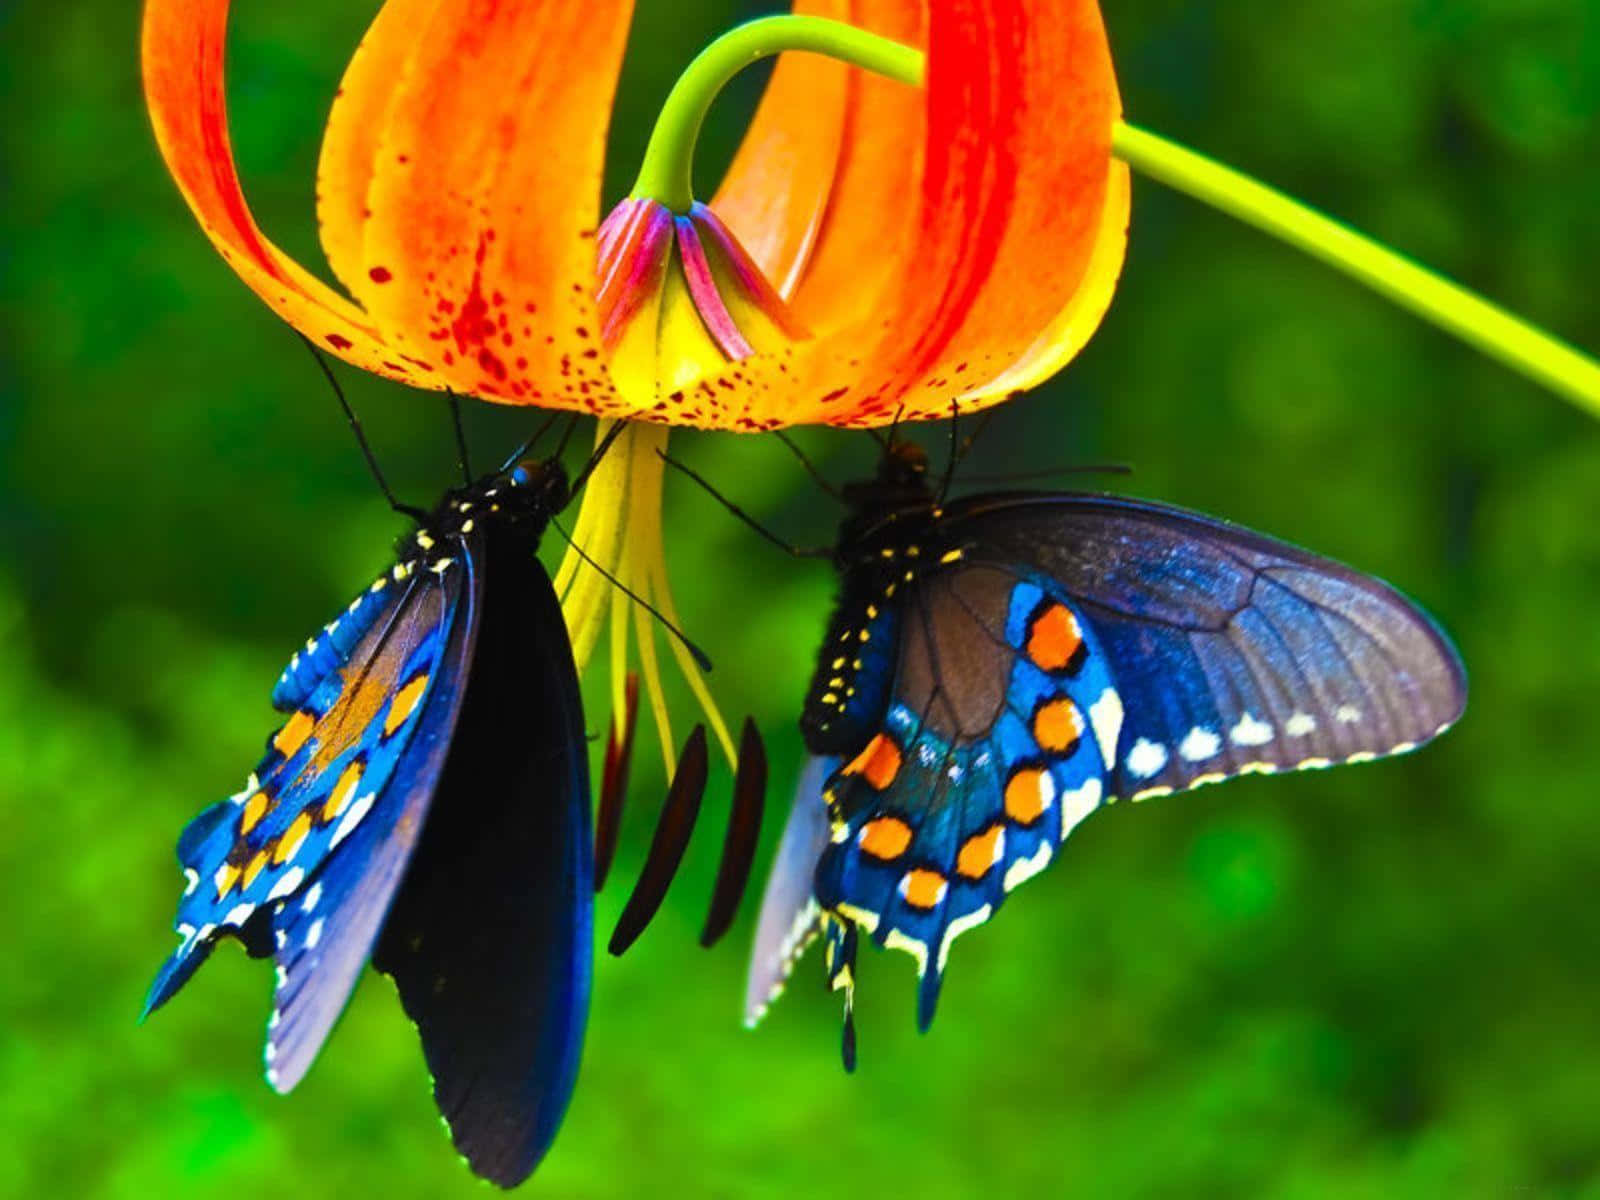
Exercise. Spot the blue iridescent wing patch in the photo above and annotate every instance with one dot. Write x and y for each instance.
(254, 863)
(994, 747)
(1071, 650)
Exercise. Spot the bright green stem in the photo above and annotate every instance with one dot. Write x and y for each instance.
(1472, 319)
(665, 173)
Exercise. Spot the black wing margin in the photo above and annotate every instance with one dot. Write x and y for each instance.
(490, 941)
(1231, 652)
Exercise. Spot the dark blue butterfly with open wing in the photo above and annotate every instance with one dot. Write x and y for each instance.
(425, 805)
(1000, 667)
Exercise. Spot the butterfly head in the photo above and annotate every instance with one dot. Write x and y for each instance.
(540, 482)
(899, 490)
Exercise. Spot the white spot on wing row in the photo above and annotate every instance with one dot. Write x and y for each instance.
(1105, 717)
(1146, 758)
(1199, 744)
(1300, 724)
(1250, 732)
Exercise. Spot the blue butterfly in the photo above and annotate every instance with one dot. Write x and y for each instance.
(425, 805)
(1001, 666)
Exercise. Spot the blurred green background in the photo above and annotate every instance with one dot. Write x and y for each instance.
(1370, 982)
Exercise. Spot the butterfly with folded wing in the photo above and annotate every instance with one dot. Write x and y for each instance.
(999, 667)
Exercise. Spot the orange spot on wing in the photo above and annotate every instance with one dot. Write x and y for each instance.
(343, 791)
(922, 888)
(879, 763)
(885, 837)
(1054, 638)
(254, 809)
(292, 838)
(404, 703)
(1028, 794)
(981, 851)
(1057, 726)
(294, 733)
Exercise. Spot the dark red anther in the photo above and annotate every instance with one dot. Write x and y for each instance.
(678, 816)
(744, 831)
(614, 785)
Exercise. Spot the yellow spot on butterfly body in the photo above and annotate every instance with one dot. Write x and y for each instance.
(885, 837)
(293, 837)
(254, 809)
(294, 733)
(404, 704)
(339, 799)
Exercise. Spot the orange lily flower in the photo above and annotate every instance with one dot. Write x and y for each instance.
(875, 250)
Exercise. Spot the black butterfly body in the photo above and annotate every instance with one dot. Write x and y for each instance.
(425, 805)
(1000, 666)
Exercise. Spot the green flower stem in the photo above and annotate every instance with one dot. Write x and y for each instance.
(664, 174)
(1474, 320)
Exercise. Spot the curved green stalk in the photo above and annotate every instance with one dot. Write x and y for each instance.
(664, 175)
(1474, 320)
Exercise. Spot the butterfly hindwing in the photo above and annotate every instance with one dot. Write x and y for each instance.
(490, 937)
(992, 750)
(321, 780)
(325, 932)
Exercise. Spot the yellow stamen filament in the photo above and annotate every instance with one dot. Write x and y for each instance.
(619, 528)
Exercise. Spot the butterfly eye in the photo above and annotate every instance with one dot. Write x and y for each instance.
(521, 476)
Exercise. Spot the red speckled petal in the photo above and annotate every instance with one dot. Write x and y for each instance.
(354, 131)
(934, 286)
(183, 79)
(479, 251)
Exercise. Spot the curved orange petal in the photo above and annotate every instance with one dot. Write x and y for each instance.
(1007, 211)
(824, 167)
(480, 187)
(184, 86)
(777, 186)
(1074, 324)
(355, 124)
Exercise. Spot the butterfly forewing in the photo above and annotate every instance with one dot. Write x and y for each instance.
(325, 932)
(1231, 652)
(322, 775)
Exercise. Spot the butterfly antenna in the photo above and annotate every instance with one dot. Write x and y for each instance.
(955, 447)
(521, 451)
(409, 510)
(566, 436)
(794, 551)
(977, 432)
(611, 436)
(695, 652)
(462, 457)
(811, 467)
(894, 427)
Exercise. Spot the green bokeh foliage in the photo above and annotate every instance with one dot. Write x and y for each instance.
(1371, 982)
